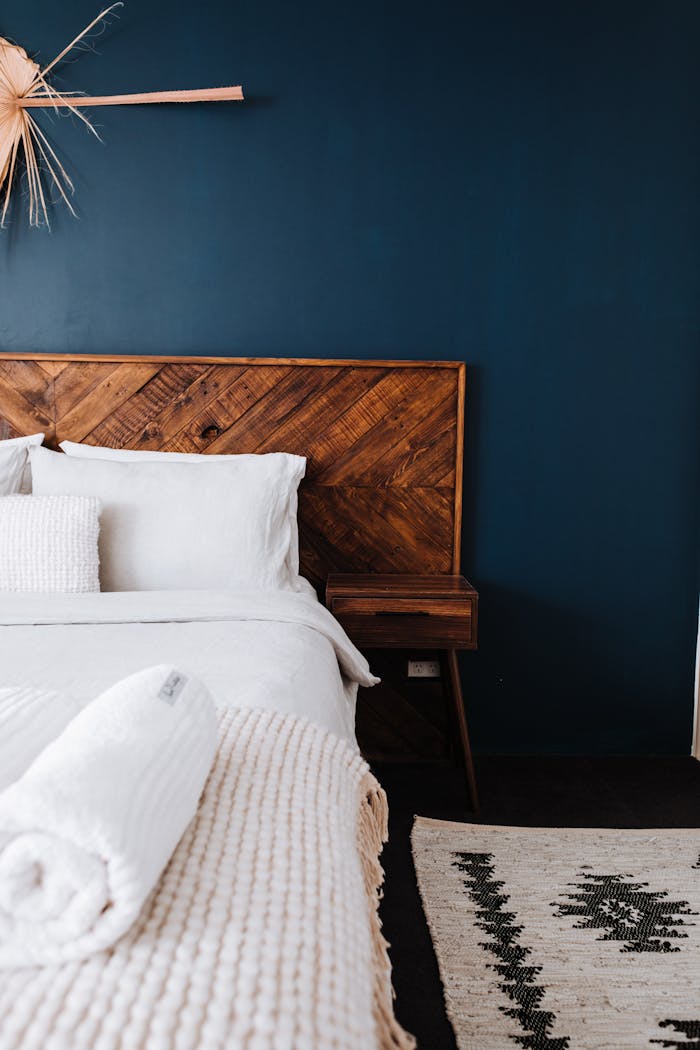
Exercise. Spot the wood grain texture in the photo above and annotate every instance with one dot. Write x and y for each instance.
(403, 630)
(422, 612)
(383, 439)
(398, 586)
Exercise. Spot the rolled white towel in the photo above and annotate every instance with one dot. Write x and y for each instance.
(29, 720)
(86, 832)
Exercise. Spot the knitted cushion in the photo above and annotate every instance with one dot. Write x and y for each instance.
(49, 543)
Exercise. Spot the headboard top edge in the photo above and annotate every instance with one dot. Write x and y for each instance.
(318, 362)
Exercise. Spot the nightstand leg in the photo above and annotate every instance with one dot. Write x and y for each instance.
(454, 685)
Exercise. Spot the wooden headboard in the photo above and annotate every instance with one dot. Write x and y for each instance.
(384, 439)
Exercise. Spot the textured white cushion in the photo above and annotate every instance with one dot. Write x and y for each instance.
(15, 471)
(188, 526)
(49, 543)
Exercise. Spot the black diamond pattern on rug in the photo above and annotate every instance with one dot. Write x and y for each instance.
(518, 981)
(643, 920)
(691, 1029)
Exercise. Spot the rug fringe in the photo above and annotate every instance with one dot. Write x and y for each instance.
(372, 833)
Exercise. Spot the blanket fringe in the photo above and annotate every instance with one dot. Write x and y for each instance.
(372, 833)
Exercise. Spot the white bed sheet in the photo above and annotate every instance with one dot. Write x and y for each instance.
(273, 650)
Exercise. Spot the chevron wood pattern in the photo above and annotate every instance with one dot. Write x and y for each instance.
(383, 439)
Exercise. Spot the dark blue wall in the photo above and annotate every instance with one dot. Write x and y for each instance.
(512, 184)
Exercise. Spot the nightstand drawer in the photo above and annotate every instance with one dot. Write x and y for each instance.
(407, 622)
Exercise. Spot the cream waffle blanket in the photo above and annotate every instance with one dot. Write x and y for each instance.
(262, 933)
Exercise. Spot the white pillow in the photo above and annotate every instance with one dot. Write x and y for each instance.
(187, 526)
(12, 463)
(15, 471)
(22, 442)
(125, 455)
(49, 543)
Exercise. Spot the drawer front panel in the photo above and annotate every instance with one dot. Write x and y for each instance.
(447, 608)
(407, 623)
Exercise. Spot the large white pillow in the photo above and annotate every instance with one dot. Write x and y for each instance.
(49, 543)
(187, 526)
(126, 455)
(15, 471)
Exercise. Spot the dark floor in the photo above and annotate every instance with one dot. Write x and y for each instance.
(550, 792)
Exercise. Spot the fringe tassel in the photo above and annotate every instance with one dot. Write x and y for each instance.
(372, 833)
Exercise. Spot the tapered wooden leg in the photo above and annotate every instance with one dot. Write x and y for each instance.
(454, 685)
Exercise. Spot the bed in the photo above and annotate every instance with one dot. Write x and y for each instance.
(263, 929)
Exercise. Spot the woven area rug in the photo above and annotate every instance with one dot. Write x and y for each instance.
(564, 939)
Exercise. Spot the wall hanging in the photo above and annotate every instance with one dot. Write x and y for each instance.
(24, 86)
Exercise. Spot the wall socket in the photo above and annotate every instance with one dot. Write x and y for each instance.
(423, 668)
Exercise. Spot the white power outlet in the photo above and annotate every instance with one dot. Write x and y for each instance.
(423, 668)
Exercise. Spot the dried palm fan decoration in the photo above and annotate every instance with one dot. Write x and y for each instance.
(23, 86)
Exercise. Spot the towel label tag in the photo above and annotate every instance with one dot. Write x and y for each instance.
(172, 687)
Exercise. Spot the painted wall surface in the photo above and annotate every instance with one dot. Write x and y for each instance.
(514, 185)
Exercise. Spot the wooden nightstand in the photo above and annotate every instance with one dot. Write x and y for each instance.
(413, 612)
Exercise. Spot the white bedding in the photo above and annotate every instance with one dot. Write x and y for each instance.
(262, 933)
(269, 649)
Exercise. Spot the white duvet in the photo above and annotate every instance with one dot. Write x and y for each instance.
(270, 649)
